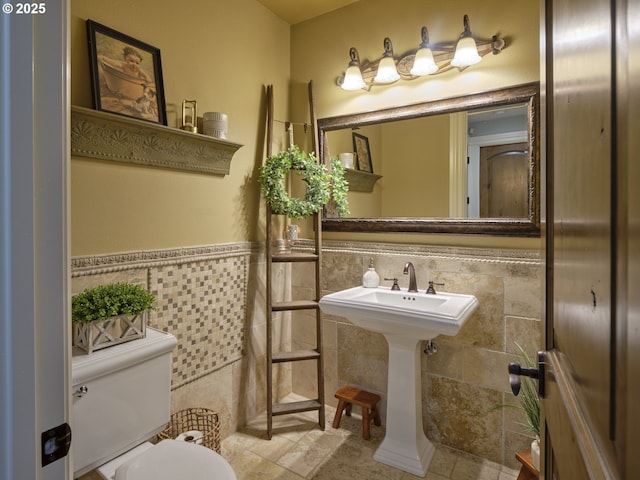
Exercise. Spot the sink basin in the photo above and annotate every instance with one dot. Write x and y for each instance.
(405, 319)
(398, 312)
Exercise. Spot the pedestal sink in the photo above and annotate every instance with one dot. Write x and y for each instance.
(405, 319)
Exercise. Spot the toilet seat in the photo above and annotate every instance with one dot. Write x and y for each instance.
(174, 460)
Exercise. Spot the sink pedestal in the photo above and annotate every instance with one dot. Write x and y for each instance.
(405, 445)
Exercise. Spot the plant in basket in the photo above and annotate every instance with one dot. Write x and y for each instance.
(109, 314)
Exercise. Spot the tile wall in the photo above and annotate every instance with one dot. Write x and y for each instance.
(468, 376)
(212, 299)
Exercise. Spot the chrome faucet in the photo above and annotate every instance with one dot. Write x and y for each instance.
(413, 285)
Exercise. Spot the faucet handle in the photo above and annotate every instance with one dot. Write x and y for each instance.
(395, 285)
(432, 290)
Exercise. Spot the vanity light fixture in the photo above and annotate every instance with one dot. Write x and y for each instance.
(428, 59)
(466, 49)
(424, 64)
(387, 71)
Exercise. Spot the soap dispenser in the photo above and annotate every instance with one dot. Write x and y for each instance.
(371, 279)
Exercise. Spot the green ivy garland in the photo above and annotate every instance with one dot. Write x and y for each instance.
(319, 184)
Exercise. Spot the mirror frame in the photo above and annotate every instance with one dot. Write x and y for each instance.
(516, 227)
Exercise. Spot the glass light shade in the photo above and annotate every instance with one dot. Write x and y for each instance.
(353, 79)
(423, 64)
(387, 71)
(466, 53)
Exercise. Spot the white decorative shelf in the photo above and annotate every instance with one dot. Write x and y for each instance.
(360, 181)
(107, 136)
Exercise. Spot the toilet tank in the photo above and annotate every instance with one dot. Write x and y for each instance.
(121, 398)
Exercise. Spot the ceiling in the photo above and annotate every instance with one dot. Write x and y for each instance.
(296, 11)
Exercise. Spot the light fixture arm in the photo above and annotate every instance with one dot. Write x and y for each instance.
(388, 47)
(355, 58)
(424, 34)
(467, 27)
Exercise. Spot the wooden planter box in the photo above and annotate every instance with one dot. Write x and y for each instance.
(100, 334)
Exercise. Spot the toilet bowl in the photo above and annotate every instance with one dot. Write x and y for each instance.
(122, 398)
(168, 460)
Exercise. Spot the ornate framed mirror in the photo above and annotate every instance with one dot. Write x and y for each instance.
(462, 165)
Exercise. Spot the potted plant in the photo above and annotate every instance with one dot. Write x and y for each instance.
(322, 185)
(529, 403)
(109, 314)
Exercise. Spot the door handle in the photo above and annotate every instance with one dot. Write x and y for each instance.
(515, 371)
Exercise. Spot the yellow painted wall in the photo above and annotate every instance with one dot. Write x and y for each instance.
(415, 170)
(320, 51)
(221, 53)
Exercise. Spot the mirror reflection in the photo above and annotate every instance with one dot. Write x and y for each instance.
(468, 163)
(498, 162)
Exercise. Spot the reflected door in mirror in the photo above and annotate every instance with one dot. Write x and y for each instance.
(503, 181)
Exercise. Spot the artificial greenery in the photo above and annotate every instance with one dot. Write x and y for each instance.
(528, 400)
(105, 301)
(321, 185)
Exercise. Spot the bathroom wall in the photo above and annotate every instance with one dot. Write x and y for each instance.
(222, 54)
(468, 377)
(211, 299)
(320, 51)
(188, 237)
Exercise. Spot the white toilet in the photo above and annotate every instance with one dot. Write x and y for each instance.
(121, 399)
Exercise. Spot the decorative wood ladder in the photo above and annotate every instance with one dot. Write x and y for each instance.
(293, 305)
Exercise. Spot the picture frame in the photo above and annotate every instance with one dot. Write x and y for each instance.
(363, 153)
(126, 75)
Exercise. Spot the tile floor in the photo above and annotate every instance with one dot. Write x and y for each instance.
(300, 450)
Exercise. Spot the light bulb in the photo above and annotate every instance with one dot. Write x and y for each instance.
(423, 64)
(353, 76)
(387, 71)
(466, 53)
(466, 50)
(353, 79)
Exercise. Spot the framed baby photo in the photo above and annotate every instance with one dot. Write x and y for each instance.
(126, 75)
(363, 153)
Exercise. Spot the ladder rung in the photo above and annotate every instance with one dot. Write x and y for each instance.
(296, 356)
(295, 407)
(294, 305)
(294, 257)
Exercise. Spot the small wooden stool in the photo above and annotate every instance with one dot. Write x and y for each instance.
(527, 471)
(349, 396)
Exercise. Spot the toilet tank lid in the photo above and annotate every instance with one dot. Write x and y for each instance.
(172, 459)
(85, 367)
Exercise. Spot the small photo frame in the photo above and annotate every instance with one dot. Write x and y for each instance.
(126, 75)
(363, 153)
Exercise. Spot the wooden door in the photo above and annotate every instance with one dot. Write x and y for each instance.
(590, 402)
(504, 181)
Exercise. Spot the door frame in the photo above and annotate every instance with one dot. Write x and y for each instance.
(34, 238)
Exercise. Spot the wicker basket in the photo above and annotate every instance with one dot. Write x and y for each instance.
(201, 419)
